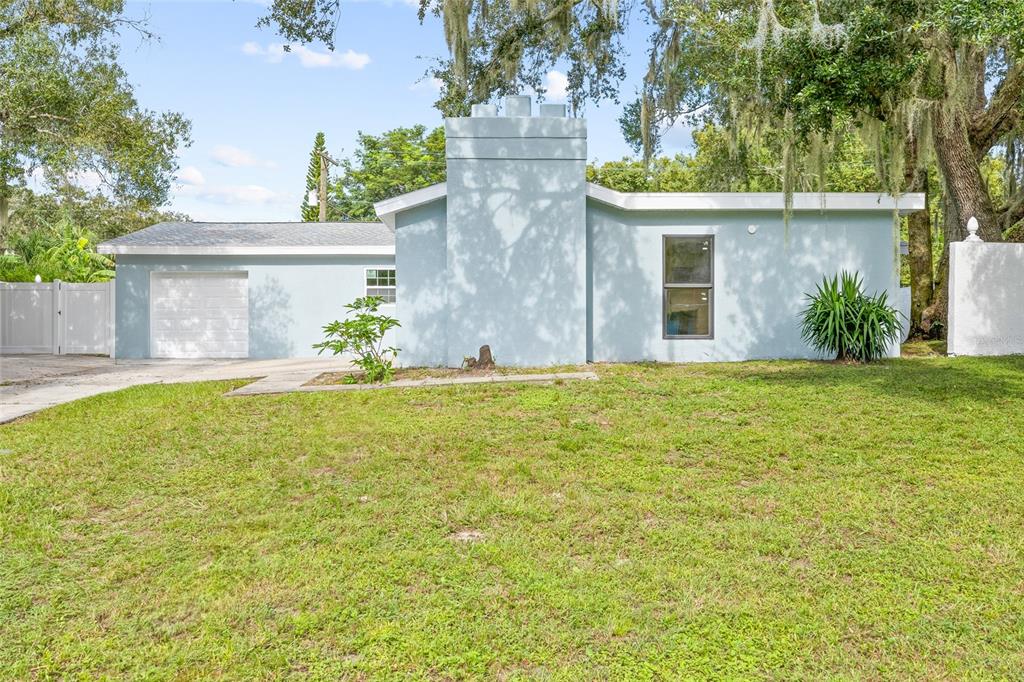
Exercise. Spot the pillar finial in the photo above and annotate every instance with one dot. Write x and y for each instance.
(972, 229)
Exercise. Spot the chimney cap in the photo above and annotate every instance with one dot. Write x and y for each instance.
(518, 105)
(484, 110)
(552, 110)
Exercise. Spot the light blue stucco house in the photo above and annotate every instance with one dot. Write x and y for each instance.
(516, 250)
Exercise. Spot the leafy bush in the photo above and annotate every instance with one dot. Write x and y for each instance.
(66, 252)
(361, 333)
(843, 321)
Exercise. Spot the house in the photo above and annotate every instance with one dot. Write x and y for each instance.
(516, 250)
(237, 290)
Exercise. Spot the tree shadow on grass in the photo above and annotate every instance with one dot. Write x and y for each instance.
(930, 380)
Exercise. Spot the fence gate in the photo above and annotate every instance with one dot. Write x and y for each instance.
(57, 317)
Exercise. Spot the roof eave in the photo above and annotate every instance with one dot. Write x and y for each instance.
(166, 250)
(387, 209)
(755, 201)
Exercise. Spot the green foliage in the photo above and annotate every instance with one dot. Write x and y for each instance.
(386, 165)
(361, 334)
(68, 108)
(662, 174)
(915, 80)
(66, 251)
(311, 212)
(718, 165)
(107, 218)
(843, 321)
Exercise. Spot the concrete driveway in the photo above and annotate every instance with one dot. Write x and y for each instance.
(29, 383)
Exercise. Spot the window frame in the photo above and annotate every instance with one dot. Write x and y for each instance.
(377, 268)
(666, 286)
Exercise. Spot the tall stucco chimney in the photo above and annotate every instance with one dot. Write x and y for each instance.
(516, 234)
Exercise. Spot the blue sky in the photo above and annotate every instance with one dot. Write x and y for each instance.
(255, 109)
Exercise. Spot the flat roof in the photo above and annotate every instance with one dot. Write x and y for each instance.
(755, 201)
(694, 201)
(238, 239)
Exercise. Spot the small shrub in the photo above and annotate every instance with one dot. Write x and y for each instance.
(361, 333)
(843, 321)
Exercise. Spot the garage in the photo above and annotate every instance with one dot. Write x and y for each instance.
(199, 314)
(244, 290)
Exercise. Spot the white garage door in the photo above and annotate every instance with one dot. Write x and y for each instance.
(199, 315)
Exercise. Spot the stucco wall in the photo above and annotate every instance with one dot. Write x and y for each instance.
(760, 279)
(516, 239)
(290, 297)
(422, 310)
(986, 287)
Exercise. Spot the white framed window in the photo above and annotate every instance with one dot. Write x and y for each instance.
(688, 283)
(381, 282)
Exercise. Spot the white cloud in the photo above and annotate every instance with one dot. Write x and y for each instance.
(233, 157)
(190, 175)
(275, 53)
(234, 194)
(432, 84)
(555, 85)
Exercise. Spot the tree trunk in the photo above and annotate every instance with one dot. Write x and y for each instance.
(965, 196)
(962, 175)
(919, 244)
(5, 218)
(952, 231)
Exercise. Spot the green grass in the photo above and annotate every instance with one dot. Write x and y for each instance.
(788, 520)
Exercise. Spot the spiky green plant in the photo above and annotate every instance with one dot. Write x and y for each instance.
(843, 321)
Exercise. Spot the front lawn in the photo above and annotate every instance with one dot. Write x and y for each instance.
(787, 519)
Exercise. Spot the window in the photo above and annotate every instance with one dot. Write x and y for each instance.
(381, 282)
(689, 287)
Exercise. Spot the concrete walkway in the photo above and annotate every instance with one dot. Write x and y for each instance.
(293, 382)
(29, 383)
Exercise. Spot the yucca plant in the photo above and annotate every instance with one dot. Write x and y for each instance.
(841, 320)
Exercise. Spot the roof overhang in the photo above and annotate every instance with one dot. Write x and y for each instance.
(754, 201)
(157, 250)
(387, 209)
(694, 201)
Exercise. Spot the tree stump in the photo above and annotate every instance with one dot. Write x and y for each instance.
(484, 361)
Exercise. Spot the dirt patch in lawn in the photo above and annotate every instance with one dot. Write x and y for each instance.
(416, 373)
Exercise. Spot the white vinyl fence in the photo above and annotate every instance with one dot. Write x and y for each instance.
(57, 317)
(986, 298)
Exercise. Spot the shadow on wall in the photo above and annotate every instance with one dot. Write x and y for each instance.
(269, 320)
(623, 284)
(131, 311)
(987, 286)
(761, 279)
(770, 272)
(422, 306)
(516, 260)
(773, 270)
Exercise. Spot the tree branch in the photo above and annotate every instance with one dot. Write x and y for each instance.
(1013, 213)
(1001, 115)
